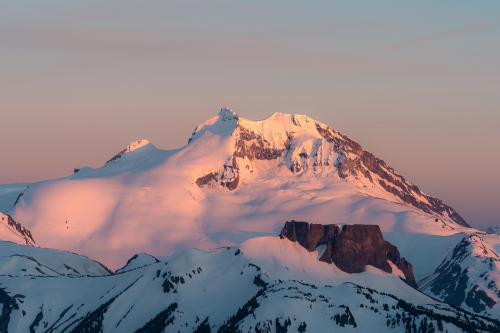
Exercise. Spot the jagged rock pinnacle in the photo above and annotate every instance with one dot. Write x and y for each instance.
(226, 114)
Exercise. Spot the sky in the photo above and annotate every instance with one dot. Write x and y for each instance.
(415, 82)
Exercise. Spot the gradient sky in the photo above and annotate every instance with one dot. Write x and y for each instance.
(417, 83)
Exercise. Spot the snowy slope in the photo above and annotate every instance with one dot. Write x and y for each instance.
(11, 230)
(23, 261)
(138, 261)
(10, 195)
(235, 179)
(228, 290)
(494, 229)
(469, 277)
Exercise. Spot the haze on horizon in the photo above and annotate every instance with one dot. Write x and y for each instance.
(416, 84)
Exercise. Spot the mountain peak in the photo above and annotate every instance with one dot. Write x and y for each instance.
(222, 125)
(226, 114)
(274, 129)
(137, 144)
(308, 147)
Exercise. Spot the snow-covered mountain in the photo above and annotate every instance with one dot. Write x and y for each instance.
(26, 261)
(235, 179)
(14, 231)
(468, 277)
(267, 284)
(494, 229)
(234, 183)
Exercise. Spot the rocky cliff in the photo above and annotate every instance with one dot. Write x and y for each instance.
(349, 247)
(15, 230)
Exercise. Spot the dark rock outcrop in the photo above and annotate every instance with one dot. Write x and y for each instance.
(17, 228)
(254, 147)
(208, 179)
(349, 247)
(8, 305)
(20, 196)
(228, 178)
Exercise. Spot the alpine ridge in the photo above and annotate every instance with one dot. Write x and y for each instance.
(15, 231)
(256, 173)
(302, 144)
(257, 287)
(372, 238)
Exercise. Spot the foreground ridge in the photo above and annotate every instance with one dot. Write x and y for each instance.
(224, 290)
(468, 277)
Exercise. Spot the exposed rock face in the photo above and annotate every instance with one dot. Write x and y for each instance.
(20, 196)
(228, 178)
(17, 228)
(255, 147)
(249, 145)
(207, 180)
(357, 162)
(331, 153)
(134, 145)
(350, 247)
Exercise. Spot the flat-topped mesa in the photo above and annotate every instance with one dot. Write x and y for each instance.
(349, 247)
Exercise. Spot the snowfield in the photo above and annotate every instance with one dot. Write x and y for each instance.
(234, 184)
(147, 200)
(225, 290)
